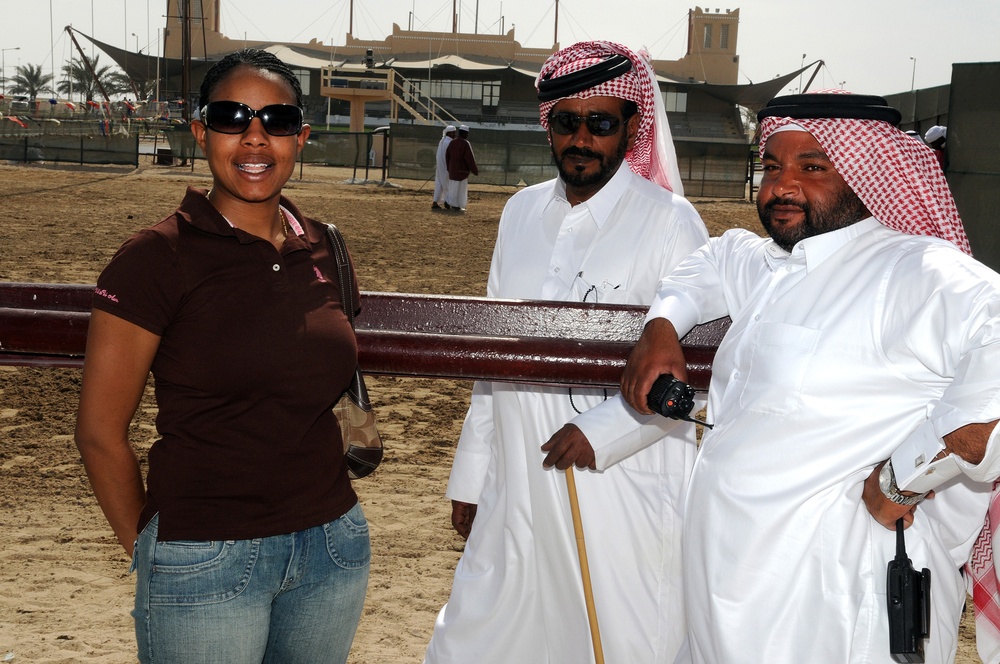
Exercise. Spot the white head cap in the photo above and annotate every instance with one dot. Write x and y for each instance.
(935, 132)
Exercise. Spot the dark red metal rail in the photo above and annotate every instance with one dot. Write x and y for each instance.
(430, 336)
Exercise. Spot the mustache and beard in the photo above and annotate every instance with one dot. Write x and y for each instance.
(845, 209)
(607, 164)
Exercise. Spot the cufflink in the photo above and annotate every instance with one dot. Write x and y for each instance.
(921, 462)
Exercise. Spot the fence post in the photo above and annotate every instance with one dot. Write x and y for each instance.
(385, 154)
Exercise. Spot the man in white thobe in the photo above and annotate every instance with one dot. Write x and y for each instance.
(441, 181)
(602, 232)
(855, 338)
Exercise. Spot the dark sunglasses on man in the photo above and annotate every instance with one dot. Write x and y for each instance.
(232, 117)
(598, 124)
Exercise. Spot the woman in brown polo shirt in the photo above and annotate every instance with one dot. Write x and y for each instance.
(247, 538)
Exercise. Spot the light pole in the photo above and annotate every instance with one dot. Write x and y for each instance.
(136, 43)
(3, 66)
(803, 64)
(913, 76)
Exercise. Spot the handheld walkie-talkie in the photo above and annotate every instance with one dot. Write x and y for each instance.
(672, 398)
(908, 594)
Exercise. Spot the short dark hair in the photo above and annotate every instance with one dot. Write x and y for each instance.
(253, 58)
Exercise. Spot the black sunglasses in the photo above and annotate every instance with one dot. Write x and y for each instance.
(232, 117)
(598, 124)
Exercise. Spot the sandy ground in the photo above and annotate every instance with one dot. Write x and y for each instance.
(64, 589)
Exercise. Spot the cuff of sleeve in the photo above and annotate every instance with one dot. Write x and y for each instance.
(616, 431)
(913, 462)
(677, 309)
(468, 475)
(987, 470)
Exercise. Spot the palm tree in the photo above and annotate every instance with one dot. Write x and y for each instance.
(29, 80)
(131, 87)
(77, 79)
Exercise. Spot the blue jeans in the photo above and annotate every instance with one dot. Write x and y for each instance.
(285, 599)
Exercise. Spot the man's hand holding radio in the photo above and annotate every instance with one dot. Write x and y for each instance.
(657, 352)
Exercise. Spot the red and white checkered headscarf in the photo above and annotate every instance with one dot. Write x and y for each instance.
(653, 155)
(897, 178)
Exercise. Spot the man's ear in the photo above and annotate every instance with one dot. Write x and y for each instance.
(632, 127)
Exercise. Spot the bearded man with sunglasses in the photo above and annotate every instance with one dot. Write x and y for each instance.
(602, 232)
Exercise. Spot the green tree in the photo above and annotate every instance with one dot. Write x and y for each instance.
(77, 79)
(132, 88)
(29, 80)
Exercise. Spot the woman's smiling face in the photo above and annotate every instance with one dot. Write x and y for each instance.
(253, 166)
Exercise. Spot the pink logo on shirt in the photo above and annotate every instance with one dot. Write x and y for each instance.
(105, 294)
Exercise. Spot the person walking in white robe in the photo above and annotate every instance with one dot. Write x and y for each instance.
(441, 181)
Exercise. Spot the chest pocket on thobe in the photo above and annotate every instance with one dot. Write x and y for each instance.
(779, 357)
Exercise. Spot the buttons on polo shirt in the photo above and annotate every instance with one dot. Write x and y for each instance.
(276, 267)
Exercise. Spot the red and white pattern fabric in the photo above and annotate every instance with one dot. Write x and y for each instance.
(653, 156)
(898, 179)
(983, 584)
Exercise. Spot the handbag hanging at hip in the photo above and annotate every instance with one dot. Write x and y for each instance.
(363, 447)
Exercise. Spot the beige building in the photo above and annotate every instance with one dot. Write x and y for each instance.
(417, 81)
(711, 52)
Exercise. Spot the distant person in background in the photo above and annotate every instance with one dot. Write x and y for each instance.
(935, 139)
(461, 162)
(441, 172)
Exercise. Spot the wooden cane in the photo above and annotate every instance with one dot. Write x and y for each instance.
(581, 548)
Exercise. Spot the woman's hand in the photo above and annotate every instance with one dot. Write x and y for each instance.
(119, 356)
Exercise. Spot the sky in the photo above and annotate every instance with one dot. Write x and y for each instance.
(868, 46)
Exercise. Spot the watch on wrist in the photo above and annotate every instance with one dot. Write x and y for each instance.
(887, 483)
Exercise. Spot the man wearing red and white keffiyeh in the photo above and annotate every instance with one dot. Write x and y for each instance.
(860, 372)
(653, 155)
(901, 183)
(601, 232)
(898, 179)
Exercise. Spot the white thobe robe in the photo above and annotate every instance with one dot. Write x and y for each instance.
(458, 193)
(838, 352)
(517, 595)
(441, 181)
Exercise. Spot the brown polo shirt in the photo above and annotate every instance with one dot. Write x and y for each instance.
(254, 351)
